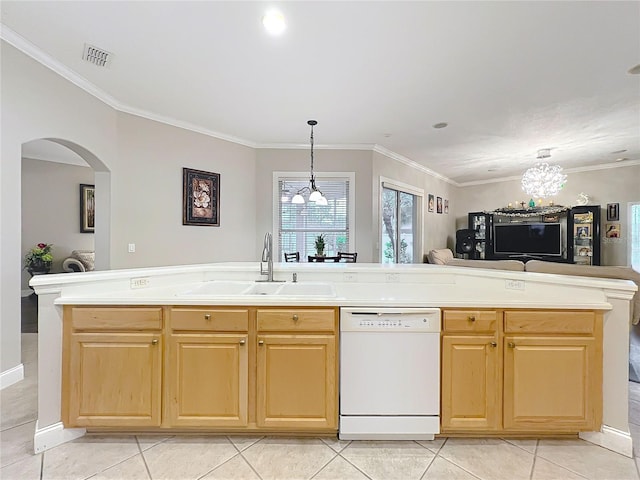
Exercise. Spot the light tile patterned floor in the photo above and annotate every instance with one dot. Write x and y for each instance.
(149, 457)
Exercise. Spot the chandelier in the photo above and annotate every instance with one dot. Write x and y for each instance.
(543, 180)
(315, 195)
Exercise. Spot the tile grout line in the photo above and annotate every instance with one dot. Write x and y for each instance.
(144, 460)
(336, 454)
(245, 458)
(42, 465)
(535, 457)
(20, 425)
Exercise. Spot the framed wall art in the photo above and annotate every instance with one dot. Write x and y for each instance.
(431, 202)
(446, 206)
(439, 204)
(87, 208)
(612, 230)
(200, 198)
(613, 212)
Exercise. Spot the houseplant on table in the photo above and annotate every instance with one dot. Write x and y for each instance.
(38, 260)
(320, 244)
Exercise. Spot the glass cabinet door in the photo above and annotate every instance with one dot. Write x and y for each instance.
(584, 235)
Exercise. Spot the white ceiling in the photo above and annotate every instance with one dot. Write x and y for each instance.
(510, 78)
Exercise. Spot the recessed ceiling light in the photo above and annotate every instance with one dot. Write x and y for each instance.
(492, 169)
(635, 70)
(273, 22)
(622, 159)
(440, 125)
(386, 135)
(619, 151)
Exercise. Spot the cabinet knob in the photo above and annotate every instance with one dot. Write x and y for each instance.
(471, 318)
(493, 344)
(261, 342)
(511, 345)
(154, 341)
(295, 318)
(207, 316)
(243, 341)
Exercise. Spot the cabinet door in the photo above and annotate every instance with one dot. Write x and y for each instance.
(296, 382)
(115, 379)
(208, 378)
(551, 384)
(470, 383)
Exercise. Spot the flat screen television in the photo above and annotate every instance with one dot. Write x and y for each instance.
(527, 239)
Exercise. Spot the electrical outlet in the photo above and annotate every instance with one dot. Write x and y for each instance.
(140, 282)
(514, 284)
(350, 277)
(132, 248)
(391, 277)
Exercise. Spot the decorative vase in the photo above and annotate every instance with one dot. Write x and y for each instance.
(39, 267)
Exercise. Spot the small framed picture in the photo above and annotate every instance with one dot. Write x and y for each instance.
(439, 204)
(200, 198)
(612, 230)
(583, 232)
(446, 206)
(87, 208)
(431, 202)
(613, 212)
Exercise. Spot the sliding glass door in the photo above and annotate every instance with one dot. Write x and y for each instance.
(400, 229)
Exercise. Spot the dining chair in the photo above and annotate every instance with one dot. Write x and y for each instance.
(347, 257)
(292, 257)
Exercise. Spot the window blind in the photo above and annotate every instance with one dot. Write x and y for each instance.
(300, 224)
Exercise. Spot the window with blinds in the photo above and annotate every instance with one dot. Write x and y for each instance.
(300, 224)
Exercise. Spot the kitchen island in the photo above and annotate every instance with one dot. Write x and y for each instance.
(188, 288)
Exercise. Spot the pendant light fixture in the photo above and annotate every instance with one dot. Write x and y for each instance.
(315, 195)
(543, 180)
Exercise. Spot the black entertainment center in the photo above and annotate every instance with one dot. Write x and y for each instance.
(553, 234)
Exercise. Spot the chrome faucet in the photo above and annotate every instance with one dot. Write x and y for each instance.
(267, 256)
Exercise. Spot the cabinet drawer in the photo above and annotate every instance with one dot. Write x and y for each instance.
(550, 321)
(469, 320)
(116, 318)
(227, 320)
(318, 320)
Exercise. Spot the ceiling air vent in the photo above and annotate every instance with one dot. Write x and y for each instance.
(97, 56)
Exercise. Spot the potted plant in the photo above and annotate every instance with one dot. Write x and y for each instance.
(38, 260)
(320, 244)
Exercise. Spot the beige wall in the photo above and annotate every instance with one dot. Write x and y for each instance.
(614, 185)
(276, 160)
(146, 197)
(439, 229)
(36, 103)
(51, 209)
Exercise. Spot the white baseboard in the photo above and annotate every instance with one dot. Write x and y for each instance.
(612, 439)
(54, 435)
(11, 376)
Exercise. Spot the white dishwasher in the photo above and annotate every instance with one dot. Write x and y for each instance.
(389, 373)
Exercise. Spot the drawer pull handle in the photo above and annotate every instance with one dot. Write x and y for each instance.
(511, 345)
(243, 341)
(207, 316)
(295, 318)
(154, 341)
(493, 344)
(261, 342)
(472, 318)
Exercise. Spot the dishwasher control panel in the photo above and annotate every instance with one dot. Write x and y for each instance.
(390, 319)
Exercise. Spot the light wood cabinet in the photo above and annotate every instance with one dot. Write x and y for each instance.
(207, 367)
(297, 365)
(217, 368)
(529, 371)
(113, 367)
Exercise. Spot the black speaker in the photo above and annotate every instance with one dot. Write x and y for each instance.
(465, 240)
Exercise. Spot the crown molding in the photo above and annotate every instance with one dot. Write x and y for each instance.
(185, 125)
(326, 146)
(410, 163)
